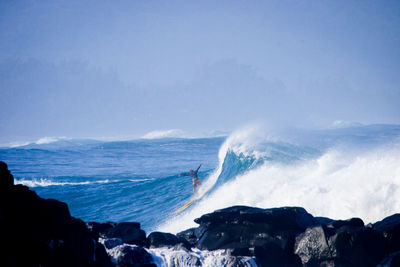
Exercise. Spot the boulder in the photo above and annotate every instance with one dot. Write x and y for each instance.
(192, 235)
(341, 243)
(43, 230)
(267, 234)
(390, 227)
(391, 260)
(128, 232)
(159, 239)
(6, 178)
(244, 227)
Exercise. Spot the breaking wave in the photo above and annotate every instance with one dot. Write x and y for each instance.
(173, 133)
(339, 182)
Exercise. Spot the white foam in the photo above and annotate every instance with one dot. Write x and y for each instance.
(167, 257)
(17, 144)
(164, 134)
(142, 179)
(339, 184)
(47, 140)
(46, 182)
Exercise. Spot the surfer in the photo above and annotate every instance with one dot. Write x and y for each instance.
(195, 178)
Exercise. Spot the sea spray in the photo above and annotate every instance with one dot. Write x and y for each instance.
(339, 182)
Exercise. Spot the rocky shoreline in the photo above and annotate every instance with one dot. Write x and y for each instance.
(41, 232)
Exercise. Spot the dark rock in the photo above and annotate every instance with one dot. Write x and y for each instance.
(353, 222)
(323, 220)
(41, 232)
(112, 242)
(277, 218)
(243, 227)
(341, 243)
(128, 232)
(6, 178)
(272, 255)
(192, 235)
(98, 228)
(267, 234)
(133, 256)
(159, 239)
(392, 260)
(390, 227)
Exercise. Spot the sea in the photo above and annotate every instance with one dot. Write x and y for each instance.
(339, 172)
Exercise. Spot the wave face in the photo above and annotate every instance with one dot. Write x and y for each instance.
(336, 173)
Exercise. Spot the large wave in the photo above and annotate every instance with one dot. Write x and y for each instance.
(339, 182)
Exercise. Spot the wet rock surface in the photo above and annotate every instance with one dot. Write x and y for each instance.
(128, 232)
(159, 239)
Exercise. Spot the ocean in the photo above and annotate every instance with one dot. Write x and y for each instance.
(340, 172)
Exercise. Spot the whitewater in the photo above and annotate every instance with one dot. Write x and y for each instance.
(337, 172)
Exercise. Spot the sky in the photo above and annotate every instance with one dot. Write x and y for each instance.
(90, 69)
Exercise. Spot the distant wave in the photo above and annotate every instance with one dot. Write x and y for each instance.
(46, 182)
(345, 124)
(164, 134)
(43, 182)
(41, 141)
(48, 140)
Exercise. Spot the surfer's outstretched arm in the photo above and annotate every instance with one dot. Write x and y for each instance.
(199, 167)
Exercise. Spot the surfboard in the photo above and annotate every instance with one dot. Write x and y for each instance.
(186, 205)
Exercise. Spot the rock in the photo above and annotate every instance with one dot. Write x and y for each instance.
(192, 235)
(390, 227)
(128, 232)
(392, 260)
(6, 178)
(243, 227)
(272, 254)
(267, 234)
(277, 218)
(97, 229)
(41, 232)
(341, 243)
(159, 239)
(111, 242)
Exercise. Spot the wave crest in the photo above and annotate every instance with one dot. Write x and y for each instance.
(172, 133)
(340, 182)
(46, 182)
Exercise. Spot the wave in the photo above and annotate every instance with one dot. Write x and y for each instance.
(172, 133)
(43, 182)
(42, 141)
(339, 182)
(46, 182)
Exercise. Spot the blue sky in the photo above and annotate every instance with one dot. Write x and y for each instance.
(114, 68)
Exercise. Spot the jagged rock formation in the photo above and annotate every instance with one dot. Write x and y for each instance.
(41, 232)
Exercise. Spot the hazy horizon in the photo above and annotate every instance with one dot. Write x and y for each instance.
(82, 69)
